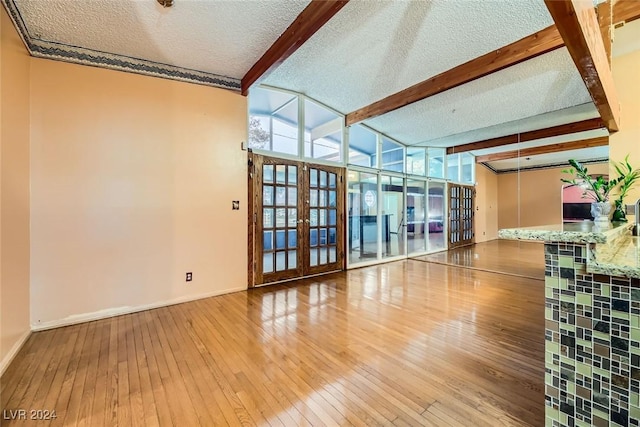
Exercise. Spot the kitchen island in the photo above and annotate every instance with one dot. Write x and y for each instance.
(592, 323)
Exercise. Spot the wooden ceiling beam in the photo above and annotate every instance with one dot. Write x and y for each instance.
(526, 48)
(577, 23)
(544, 149)
(585, 125)
(626, 11)
(311, 19)
(604, 11)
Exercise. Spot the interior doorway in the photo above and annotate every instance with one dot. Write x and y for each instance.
(461, 215)
(296, 219)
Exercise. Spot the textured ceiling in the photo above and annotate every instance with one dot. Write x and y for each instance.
(372, 49)
(220, 37)
(547, 83)
(554, 118)
(369, 50)
(585, 154)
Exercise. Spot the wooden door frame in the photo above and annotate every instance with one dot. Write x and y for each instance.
(340, 224)
(460, 220)
(254, 192)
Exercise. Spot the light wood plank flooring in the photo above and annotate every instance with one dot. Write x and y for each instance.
(407, 343)
(512, 257)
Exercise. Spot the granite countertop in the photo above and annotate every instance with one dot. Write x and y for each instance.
(620, 257)
(612, 251)
(571, 232)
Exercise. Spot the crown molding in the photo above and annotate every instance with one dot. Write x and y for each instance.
(78, 55)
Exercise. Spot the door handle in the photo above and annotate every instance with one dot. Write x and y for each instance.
(307, 221)
(299, 221)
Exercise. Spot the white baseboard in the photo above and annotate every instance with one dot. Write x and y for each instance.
(6, 361)
(119, 311)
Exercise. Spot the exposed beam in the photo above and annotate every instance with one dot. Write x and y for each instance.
(566, 129)
(605, 16)
(626, 11)
(310, 20)
(577, 23)
(544, 149)
(529, 47)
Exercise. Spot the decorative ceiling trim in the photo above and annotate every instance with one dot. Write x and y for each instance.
(78, 55)
(549, 166)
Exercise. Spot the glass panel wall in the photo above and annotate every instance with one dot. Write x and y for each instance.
(436, 162)
(392, 156)
(453, 167)
(273, 121)
(467, 161)
(393, 216)
(437, 218)
(461, 168)
(416, 161)
(362, 205)
(416, 216)
(323, 133)
(363, 147)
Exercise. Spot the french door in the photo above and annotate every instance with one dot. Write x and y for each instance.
(297, 219)
(461, 215)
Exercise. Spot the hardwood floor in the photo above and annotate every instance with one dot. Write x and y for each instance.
(405, 343)
(511, 257)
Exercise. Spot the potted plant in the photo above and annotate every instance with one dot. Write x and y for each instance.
(597, 189)
(629, 177)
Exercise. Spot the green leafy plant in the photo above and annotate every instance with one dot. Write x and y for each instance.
(628, 177)
(597, 189)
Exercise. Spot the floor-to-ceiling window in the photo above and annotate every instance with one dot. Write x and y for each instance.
(396, 195)
(393, 216)
(362, 208)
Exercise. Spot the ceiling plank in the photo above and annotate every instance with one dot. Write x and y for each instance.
(585, 125)
(544, 149)
(311, 19)
(526, 48)
(626, 11)
(577, 23)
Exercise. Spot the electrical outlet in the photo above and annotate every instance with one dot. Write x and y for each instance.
(189, 276)
(235, 205)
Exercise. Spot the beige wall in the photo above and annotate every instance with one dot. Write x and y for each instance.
(627, 140)
(132, 183)
(533, 197)
(14, 191)
(486, 220)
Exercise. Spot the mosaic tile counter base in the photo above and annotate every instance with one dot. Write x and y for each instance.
(592, 347)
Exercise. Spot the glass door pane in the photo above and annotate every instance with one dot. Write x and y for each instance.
(279, 223)
(393, 216)
(363, 216)
(436, 216)
(416, 216)
(460, 215)
(323, 225)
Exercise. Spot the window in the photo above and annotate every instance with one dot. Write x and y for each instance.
(363, 146)
(323, 133)
(416, 161)
(436, 162)
(460, 168)
(392, 155)
(273, 121)
(453, 167)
